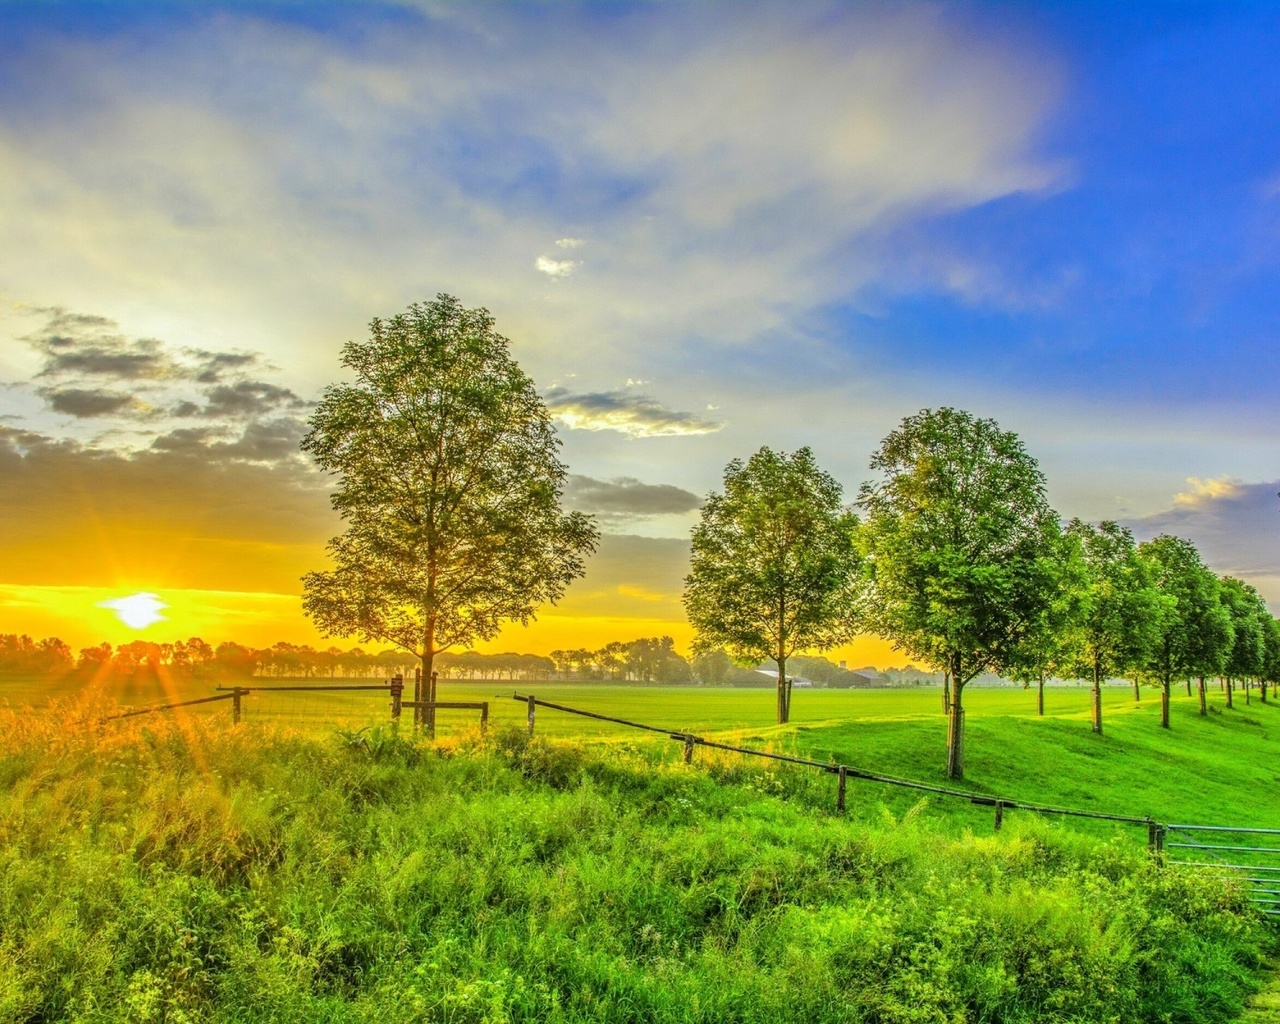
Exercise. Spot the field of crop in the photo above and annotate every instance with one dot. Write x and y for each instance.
(173, 868)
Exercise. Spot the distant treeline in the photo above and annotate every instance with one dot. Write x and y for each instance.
(648, 660)
(195, 658)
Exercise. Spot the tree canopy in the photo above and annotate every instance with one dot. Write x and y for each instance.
(449, 483)
(1244, 655)
(961, 545)
(1193, 629)
(774, 568)
(1119, 612)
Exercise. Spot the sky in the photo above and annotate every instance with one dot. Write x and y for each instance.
(704, 228)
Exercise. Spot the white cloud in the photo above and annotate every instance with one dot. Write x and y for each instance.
(1205, 492)
(556, 268)
(719, 155)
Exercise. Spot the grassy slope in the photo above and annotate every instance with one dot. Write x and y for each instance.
(183, 871)
(1223, 769)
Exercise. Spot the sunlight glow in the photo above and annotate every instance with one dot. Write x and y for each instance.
(137, 611)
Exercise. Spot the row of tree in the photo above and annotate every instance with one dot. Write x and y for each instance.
(20, 655)
(448, 481)
(646, 660)
(961, 562)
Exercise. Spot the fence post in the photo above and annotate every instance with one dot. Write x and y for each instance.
(235, 705)
(841, 779)
(397, 695)
(484, 717)
(999, 814)
(688, 750)
(532, 710)
(417, 697)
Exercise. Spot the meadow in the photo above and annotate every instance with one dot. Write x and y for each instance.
(174, 868)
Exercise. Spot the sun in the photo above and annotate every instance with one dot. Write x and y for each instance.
(137, 611)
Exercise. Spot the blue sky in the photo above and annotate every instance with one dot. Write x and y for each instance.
(704, 227)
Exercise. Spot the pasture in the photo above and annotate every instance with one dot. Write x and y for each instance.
(175, 868)
(1219, 769)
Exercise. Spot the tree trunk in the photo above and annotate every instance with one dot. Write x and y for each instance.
(427, 716)
(1164, 704)
(1204, 704)
(946, 691)
(1248, 691)
(1135, 689)
(1226, 683)
(1188, 686)
(1040, 697)
(955, 733)
(1097, 697)
(1262, 689)
(783, 710)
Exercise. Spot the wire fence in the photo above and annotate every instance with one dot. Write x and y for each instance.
(330, 704)
(844, 772)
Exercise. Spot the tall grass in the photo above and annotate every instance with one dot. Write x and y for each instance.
(185, 871)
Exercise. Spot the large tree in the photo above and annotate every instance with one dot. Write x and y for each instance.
(961, 545)
(448, 480)
(1120, 606)
(1193, 628)
(775, 568)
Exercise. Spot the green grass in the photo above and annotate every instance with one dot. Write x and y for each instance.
(180, 870)
(173, 868)
(1221, 769)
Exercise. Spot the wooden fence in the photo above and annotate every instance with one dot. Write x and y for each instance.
(424, 704)
(844, 772)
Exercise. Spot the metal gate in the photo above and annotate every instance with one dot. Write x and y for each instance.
(1249, 855)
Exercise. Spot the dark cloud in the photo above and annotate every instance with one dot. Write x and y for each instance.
(128, 361)
(80, 350)
(634, 414)
(86, 403)
(627, 497)
(267, 442)
(86, 345)
(195, 441)
(229, 512)
(248, 398)
(1235, 525)
(215, 365)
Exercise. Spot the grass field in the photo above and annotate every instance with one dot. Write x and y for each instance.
(173, 868)
(1221, 769)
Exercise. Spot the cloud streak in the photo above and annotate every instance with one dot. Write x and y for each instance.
(625, 501)
(96, 372)
(632, 414)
